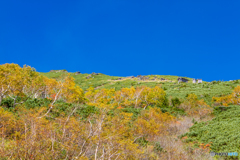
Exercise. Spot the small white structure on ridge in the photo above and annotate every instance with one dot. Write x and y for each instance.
(199, 80)
(194, 80)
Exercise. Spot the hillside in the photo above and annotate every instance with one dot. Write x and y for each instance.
(206, 90)
(222, 133)
(61, 115)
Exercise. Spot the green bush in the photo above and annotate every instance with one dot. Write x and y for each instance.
(157, 147)
(222, 132)
(32, 103)
(142, 142)
(175, 102)
(7, 102)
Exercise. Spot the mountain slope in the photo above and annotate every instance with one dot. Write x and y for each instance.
(206, 90)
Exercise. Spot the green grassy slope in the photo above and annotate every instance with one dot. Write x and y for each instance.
(81, 80)
(206, 90)
(223, 131)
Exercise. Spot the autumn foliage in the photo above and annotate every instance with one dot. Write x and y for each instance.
(233, 98)
(109, 132)
(35, 134)
(193, 106)
(140, 97)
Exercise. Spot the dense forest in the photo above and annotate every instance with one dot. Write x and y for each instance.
(62, 115)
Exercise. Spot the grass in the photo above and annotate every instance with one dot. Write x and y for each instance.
(81, 80)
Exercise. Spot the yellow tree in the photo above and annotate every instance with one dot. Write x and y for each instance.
(128, 96)
(193, 106)
(153, 96)
(103, 98)
(71, 92)
(66, 90)
(4, 86)
(117, 138)
(18, 82)
(152, 123)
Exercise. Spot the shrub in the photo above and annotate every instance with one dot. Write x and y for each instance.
(175, 102)
(222, 132)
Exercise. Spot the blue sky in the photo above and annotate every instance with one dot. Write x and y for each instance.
(198, 39)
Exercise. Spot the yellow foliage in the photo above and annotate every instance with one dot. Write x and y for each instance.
(152, 122)
(193, 106)
(25, 82)
(233, 98)
(7, 122)
(36, 134)
(18, 82)
(139, 97)
(153, 96)
(71, 92)
(100, 98)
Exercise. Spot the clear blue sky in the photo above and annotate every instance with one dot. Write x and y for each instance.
(198, 39)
